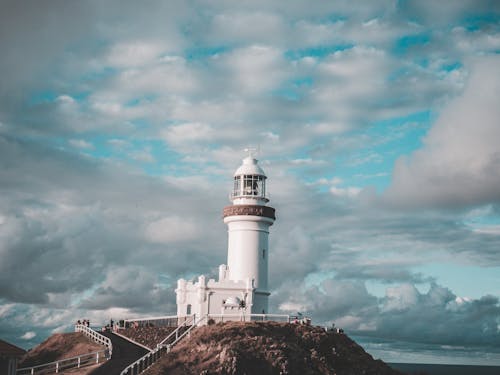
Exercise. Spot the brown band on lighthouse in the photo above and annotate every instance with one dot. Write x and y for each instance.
(246, 209)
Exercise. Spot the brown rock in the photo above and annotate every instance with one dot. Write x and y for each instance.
(268, 348)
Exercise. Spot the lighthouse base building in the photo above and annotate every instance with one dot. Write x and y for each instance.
(242, 286)
(226, 297)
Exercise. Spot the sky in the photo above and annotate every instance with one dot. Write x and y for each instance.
(378, 125)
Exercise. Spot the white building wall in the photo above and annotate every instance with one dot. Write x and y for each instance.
(209, 298)
(248, 249)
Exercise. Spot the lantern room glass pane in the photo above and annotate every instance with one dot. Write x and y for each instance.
(237, 186)
(249, 185)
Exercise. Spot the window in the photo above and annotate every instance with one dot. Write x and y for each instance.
(188, 310)
(263, 253)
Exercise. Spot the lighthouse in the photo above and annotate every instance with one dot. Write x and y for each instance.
(248, 220)
(242, 287)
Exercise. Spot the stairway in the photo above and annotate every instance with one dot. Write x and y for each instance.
(124, 353)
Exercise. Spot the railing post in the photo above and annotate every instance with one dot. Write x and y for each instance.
(78, 362)
(57, 366)
(97, 357)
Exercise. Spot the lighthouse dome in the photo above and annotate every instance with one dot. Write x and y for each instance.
(249, 167)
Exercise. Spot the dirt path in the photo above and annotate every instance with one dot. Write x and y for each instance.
(124, 353)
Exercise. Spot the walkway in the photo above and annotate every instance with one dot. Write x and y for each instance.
(124, 353)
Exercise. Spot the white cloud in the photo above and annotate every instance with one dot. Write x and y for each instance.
(171, 229)
(401, 297)
(292, 307)
(308, 33)
(134, 53)
(255, 69)
(188, 133)
(307, 161)
(238, 27)
(119, 143)
(143, 155)
(28, 335)
(349, 192)
(65, 99)
(272, 137)
(459, 163)
(81, 143)
(209, 79)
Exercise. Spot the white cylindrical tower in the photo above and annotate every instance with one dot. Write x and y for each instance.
(248, 220)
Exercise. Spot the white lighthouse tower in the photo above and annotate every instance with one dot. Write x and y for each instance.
(248, 220)
(242, 288)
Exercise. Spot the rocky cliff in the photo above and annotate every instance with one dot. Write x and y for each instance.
(268, 348)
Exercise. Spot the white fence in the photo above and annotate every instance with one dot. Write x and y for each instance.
(175, 321)
(96, 336)
(159, 321)
(78, 361)
(220, 318)
(66, 363)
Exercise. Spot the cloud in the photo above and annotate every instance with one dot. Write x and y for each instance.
(171, 229)
(188, 133)
(134, 54)
(167, 96)
(445, 12)
(143, 155)
(28, 335)
(255, 69)
(80, 143)
(239, 28)
(92, 227)
(436, 316)
(459, 162)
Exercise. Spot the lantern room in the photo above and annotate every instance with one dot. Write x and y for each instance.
(249, 183)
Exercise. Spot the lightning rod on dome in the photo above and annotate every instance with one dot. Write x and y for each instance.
(252, 151)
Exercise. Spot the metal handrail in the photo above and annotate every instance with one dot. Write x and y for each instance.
(148, 359)
(60, 364)
(250, 317)
(154, 319)
(176, 331)
(179, 338)
(96, 336)
(151, 318)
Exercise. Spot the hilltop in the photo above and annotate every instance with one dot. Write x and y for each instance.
(59, 346)
(268, 348)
